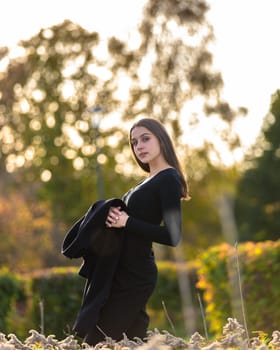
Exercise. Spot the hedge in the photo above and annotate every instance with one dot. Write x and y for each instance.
(240, 282)
(244, 282)
(55, 297)
(165, 306)
(13, 296)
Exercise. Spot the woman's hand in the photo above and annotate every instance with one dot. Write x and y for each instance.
(116, 217)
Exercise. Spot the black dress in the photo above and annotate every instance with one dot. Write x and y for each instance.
(154, 209)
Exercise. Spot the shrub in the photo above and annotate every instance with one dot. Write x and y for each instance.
(242, 282)
(60, 290)
(166, 306)
(13, 296)
(57, 296)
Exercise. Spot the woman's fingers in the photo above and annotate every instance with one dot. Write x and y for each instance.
(113, 216)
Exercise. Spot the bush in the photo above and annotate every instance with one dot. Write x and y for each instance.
(13, 297)
(57, 295)
(60, 290)
(242, 282)
(165, 306)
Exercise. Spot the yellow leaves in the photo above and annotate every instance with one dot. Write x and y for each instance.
(258, 251)
(257, 265)
(25, 233)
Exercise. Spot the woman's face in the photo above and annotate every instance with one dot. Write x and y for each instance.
(145, 144)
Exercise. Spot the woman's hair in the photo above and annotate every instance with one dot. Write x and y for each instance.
(167, 148)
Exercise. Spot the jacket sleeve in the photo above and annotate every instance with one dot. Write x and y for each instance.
(169, 232)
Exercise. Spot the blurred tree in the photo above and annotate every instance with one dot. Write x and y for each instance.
(258, 195)
(26, 241)
(171, 72)
(52, 141)
(202, 225)
(47, 134)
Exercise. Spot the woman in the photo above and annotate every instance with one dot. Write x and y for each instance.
(153, 214)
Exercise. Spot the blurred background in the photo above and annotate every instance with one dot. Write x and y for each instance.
(74, 76)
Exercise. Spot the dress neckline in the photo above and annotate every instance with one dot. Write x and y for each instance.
(160, 171)
(143, 182)
(149, 178)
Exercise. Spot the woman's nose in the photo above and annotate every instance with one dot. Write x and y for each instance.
(139, 145)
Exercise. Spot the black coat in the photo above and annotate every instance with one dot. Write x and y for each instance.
(100, 249)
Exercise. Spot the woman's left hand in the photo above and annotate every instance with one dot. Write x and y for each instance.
(116, 217)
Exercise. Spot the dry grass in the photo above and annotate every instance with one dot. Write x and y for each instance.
(234, 337)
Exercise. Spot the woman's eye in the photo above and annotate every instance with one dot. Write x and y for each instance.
(145, 139)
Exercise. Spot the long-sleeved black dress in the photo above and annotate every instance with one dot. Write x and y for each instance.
(154, 209)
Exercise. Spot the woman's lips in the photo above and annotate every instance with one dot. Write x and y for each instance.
(142, 154)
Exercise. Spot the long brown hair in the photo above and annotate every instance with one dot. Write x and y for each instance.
(167, 148)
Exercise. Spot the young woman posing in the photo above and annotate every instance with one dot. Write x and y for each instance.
(153, 214)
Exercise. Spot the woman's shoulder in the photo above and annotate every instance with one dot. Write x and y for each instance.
(167, 175)
(167, 172)
(168, 183)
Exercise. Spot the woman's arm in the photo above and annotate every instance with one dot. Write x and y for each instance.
(169, 233)
(168, 192)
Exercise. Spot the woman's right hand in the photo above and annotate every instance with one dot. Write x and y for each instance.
(116, 218)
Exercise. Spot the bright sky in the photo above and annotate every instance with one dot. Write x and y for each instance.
(246, 50)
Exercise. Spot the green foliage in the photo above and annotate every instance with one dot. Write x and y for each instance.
(258, 194)
(262, 269)
(165, 306)
(13, 296)
(56, 296)
(56, 299)
(213, 280)
(167, 286)
(258, 267)
(201, 222)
